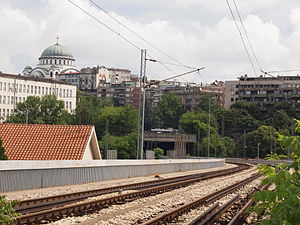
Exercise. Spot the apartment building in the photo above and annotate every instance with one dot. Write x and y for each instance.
(265, 91)
(16, 88)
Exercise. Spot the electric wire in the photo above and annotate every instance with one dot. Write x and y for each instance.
(239, 31)
(136, 34)
(112, 30)
(246, 33)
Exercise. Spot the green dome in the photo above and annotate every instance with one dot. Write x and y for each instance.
(56, 50)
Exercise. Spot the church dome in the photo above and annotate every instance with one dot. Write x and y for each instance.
(56, 50)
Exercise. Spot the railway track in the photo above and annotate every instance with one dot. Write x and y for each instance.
(170, 216)
(54, 207)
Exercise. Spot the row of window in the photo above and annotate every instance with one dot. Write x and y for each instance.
(56, 61)
(7, 112)
(33, 89)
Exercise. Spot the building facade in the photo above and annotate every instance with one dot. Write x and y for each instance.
(54, 60)
(16, 88)
(265, 91)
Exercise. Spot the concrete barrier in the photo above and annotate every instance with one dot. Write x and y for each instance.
(20, 175)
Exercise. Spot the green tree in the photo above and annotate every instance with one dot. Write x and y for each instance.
(251, 108)
(263, 139)
(126, 145)
(118, 121)
(45, 110)
(204, 104)
(279, 120)
(217, 147)
(196, 122)
(282, 204)
(158, 152)
(7, 212)
(169, 110)
(3, 156)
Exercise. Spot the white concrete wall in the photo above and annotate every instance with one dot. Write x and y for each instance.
(19, 175)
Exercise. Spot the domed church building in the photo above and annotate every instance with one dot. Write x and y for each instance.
(54, 60)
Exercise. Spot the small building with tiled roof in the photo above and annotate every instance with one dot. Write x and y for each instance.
(49, 142)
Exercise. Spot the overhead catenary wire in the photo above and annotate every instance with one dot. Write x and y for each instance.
(247, 37)
(120, 35)
(240, 33)
(136, 34)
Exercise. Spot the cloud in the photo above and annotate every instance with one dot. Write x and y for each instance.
(215, 45)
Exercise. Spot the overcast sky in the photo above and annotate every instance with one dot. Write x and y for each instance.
(198, 33)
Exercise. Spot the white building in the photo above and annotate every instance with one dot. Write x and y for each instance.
(16, 88)
(54, 60)
(117, 75)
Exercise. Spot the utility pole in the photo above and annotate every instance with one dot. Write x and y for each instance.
(244, 139)
(258, 150)
(142, 102)
(106, 140)
(208, 143)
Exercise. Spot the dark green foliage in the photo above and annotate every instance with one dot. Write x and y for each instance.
(45, 110)
(2, 151)
(169, 110)
(282, 204)
(279, 120)
(248, 107)
(158, 152)
(7, 212)
(204, 104)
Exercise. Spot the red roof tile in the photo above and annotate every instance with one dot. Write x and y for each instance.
(44, 142)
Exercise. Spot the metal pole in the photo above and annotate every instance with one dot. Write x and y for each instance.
(208, 143)
(142, 102)
(244, 137)
(258, 150)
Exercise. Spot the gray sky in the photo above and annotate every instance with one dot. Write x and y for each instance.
(196, 32)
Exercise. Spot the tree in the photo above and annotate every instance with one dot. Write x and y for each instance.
(126, 145)
(3, 156)
(169, 110)
(204, 104)
(217, 146)
(263, 139)
(281, 205)
(118, 121)
(251, 108)
(197, 123)
(35, 110)
(158, 152)
(88, 108)
(7, 212)
(279, 120)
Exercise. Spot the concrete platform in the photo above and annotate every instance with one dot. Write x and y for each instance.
(20, 175)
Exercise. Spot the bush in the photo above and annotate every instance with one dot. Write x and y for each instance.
(158, 152)
(7, 212)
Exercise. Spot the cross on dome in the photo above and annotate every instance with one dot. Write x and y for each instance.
(57, 38)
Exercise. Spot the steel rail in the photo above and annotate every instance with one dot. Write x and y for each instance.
(170, 216)
(105, 202)
(34, 205)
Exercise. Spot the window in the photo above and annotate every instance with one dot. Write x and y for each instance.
(51, 73)
(16, 87)
(4, 87)
(0, 99)
(43, 90)
(8, 100)
(28, 89)
(35, 89)
(0, 86)
(66, 104)
(24, 88)
(4, 99)
(59, 62)
(70, 93)
(12, 100)
(60, 92)
(39, 90)
(46, 90)
(4, 112)
(24, 99)
(232, 99)
(54, 61)
(7, 112)
(20, 99)
(31, 87)
(50, 91)
(64, 93)
(20, 88)
(70, 105)
(8, 86)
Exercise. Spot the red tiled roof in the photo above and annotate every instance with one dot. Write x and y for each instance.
(44, 142)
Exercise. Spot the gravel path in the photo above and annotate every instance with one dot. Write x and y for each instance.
(44, 192)
(136, 211)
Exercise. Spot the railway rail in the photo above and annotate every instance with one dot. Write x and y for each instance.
(54, 207)
(168, 217)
